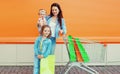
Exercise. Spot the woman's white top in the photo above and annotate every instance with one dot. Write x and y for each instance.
(52, 26)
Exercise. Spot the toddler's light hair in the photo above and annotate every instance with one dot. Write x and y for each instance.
(42, 11)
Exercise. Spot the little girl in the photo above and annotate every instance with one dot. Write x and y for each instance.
(42, 47)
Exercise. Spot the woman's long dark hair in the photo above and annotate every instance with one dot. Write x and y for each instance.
(60, 16)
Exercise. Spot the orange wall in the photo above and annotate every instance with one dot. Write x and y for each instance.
(83, 17)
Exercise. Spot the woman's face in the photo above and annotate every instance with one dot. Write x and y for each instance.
(55, 10)
(46, 32)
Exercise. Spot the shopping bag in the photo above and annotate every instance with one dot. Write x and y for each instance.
(47, 65)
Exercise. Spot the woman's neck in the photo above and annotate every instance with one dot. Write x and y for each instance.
(54, 19)
(54, 16)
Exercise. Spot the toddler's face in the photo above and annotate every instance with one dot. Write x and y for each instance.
(42, 13)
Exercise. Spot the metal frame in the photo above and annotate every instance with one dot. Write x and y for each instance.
(80, 65)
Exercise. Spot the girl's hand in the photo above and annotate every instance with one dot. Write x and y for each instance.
(40, 56)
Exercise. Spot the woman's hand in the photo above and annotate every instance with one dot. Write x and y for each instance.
(61, 31)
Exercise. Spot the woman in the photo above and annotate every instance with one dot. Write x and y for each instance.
(56, 22)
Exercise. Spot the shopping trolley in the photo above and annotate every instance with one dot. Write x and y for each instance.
(77, 56)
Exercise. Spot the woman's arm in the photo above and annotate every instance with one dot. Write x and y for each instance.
(63, 26)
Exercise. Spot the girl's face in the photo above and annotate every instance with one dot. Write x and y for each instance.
(55, 10)
(46, 32)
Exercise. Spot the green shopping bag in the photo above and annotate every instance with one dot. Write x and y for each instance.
(47, 65)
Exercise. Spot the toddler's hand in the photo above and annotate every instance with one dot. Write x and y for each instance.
(44, 22)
